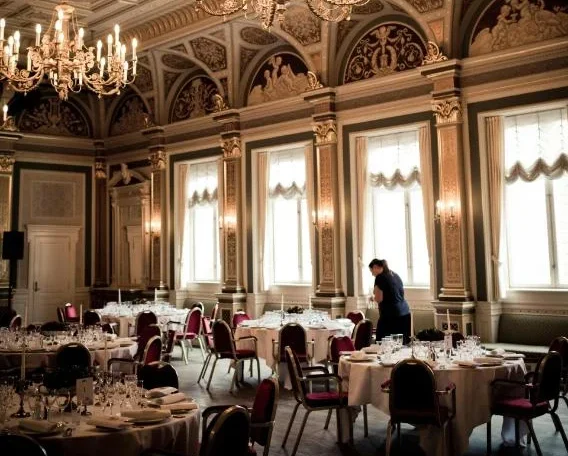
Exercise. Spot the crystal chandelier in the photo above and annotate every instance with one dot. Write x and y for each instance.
(61, 55)
(267, 10)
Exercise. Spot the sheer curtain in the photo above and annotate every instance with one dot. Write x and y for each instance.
(494, 141)
(182, 223)
(362, 190)
(427, 186)
(262, 179)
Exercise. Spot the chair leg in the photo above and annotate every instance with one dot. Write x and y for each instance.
(399, 440)
(290, 424)
(559, 428)
(257, 369)
(204, 368)
(235, 377)
(268, 440)
(390, 426)
(183, 351)
(489, 436)
(365, 421)
(300, 433)
(211, 374)
(328, 419)
(202, 346)
(531, 431)
(517, 434)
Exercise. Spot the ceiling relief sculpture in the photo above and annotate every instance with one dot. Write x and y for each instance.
(253, 35)
(387, 48)
(246, 57)
(425, 6)
(510, 23)
(52, 116)
(210, 52)
(130, 115)
(302, 25)
(195, 99)
(177, 62)
(144, 80)
(281, 76)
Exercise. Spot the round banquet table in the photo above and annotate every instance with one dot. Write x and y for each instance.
(46, 357)
(265, 336)
(180, 435)
(126, 322)
(362, 381)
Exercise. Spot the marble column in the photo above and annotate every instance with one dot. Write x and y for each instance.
(101, 216)
(329, 293)
(455, 294)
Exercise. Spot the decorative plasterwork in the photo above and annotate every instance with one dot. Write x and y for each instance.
(210, 52)
(301, 24)
(433, 55)
(7, 163)
(253, 35)
(53, 116)
(325, 132)
(179, 48)
(371, 7)
(231, 147)
(177, 62)
(313, 81)
(169, 79)
(447, 111)
(343, 29)
(100, 168)
(195, 99)
(219, 34)
(131, 115)
(219, 103)
(246, 57)
(425, 6)
(144, 79)
(158, 160)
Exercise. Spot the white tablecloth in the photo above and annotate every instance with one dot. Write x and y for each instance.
(363, 383)
(125, 322)
(180, 435)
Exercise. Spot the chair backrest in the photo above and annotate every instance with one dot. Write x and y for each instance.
(193, 321)
(170, 341)
(198, 305)
(548, 375)
(264, 410)
(223, 341)
(72, 355)
(16, 322)
(457, 337)
(13, 444)
(147, 333)
(214, 312)
(560, 345)
(144, 319)
(363, 334)
(91, 318)
(207, 331)
(228, 433)
(158, 374)
(52, 326)
(338, 344)
(153, 350)
(107, 328)
(292, 335)
(413, 398)
(239, 317)
(70, 312)
(296, 373)
(60, 315)
(356, 316)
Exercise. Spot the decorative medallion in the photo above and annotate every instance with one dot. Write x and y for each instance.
(302, 25)
(179, 48)
(386, 49)
(210, 52)
(511, 23)
(177, 62)
(281, 76)
(425, 6)
(130, 115)
(343, 29)
(371, 7)
(52, 116)
(246, 56)
(434, 55)
(253, 35)
(169, 79)
(144, 79)
(195, 99)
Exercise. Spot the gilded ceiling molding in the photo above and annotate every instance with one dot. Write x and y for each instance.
(7, 161)
(447, 111)
(325, 132)
(231, 147)
(433, 54)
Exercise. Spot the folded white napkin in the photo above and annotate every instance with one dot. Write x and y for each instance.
(488, 360)
(109, 423)
(37, 425)
(372, 349)
(358, 355)
(497, 351)
(170, 399)
(186, 405)
(465, 363)
(145, 414)
(160, 392)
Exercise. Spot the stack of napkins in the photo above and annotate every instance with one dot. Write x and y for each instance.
(173, 400)
(161, 392)
(145, 414)
(169, 399)
(39, 426)
(108, 423)
(358, 355)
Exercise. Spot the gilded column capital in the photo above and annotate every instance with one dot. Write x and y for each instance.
(7, 161)
(158, 160)
(231, 147)
(325, 132)
(100, 168)
(448, 111)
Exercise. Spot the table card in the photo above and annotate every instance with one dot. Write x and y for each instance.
(85, 391)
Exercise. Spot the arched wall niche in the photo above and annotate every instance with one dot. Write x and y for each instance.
(194, 97)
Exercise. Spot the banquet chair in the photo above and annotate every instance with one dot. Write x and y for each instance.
(14, 444)
(91, 318)
(191, 331)
(362, 334)
(198, 305)
(60, 315)
(143, 320)
(147, 333)
(158, 374)
(560, 345)
(356, 316)
(337, 345)
(52, 326)
(415, 399)
(214, 312)
(457, 337)
(238, 318)
(70, 313)
(152, 352)
(15, 323)
(72, 355)
(291, 335)
(108, 328)
(208, 338)
(168, 349)
(541, 387)
(262, 413)
(227, 434)
(224, 347)
(313, 402)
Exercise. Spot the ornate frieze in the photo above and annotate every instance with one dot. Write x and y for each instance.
(387, 48)
(7, 161)
(325, 132)
(425, 6)
(52, 116)
(433, 54)
(231, 147)
(371, 7)
(210, 52)
(447, 111)
(301, 24)
(158, 160)
(195, 99)
(177, 62)
(259, 37)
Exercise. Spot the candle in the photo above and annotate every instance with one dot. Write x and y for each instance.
(99, 49)
(448, 318)
(5, 110)
(134, 45)
(309, 302)
(411, 325)
(119, 300)
(26, 316)
(2, 25)
(81, 35)
(155, 295)
(106, 354)
(81, 314)
(23, 366)
(109, 46)
(282, 303)
(38, 34)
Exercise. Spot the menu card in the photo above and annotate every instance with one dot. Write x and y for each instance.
(85, 391)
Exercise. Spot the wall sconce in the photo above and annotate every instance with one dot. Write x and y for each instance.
(323, 217)
(446, 211)
(154, 227)
(229, 221)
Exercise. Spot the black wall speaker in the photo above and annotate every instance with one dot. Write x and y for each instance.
(13, 245)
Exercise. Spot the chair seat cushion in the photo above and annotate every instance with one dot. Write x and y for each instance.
(519, 407)
(241, 354)
(326, 399)
(180, 336)
(417, 417)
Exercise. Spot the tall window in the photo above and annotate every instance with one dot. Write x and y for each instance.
(536, 199)
(287, 243)
(395, 226)
(201, 229)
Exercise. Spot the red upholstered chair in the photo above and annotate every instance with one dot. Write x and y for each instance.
(152, 352)
(169, 345)
(356, 316)
(20, 444)
(227, 434)
(262, 413)
(541, 388)
(72, 355)
(457, 337)
(147, 333)
(191, 331)
(70, 312)
(214, 312)
(415, 399)
(313, 402)
(15, 323)
(291, 335)
(200, 305)
(224, 348)
(363, 334)
(144, 319)
(91, 318)
(208, 338)
(238, 318)
(157, 374)
(560, 345)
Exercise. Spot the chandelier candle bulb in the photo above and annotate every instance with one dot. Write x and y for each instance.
(117, 48)
(99, 48)
(81, 34)
(134, 67)
(80, 78)
(134, 45)
(2, 27)
(123, 54)
(29, 66)
(103, 61)
(109, 46)
(5, 111)
(17, 42)
(116, 32)
(38, 34)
